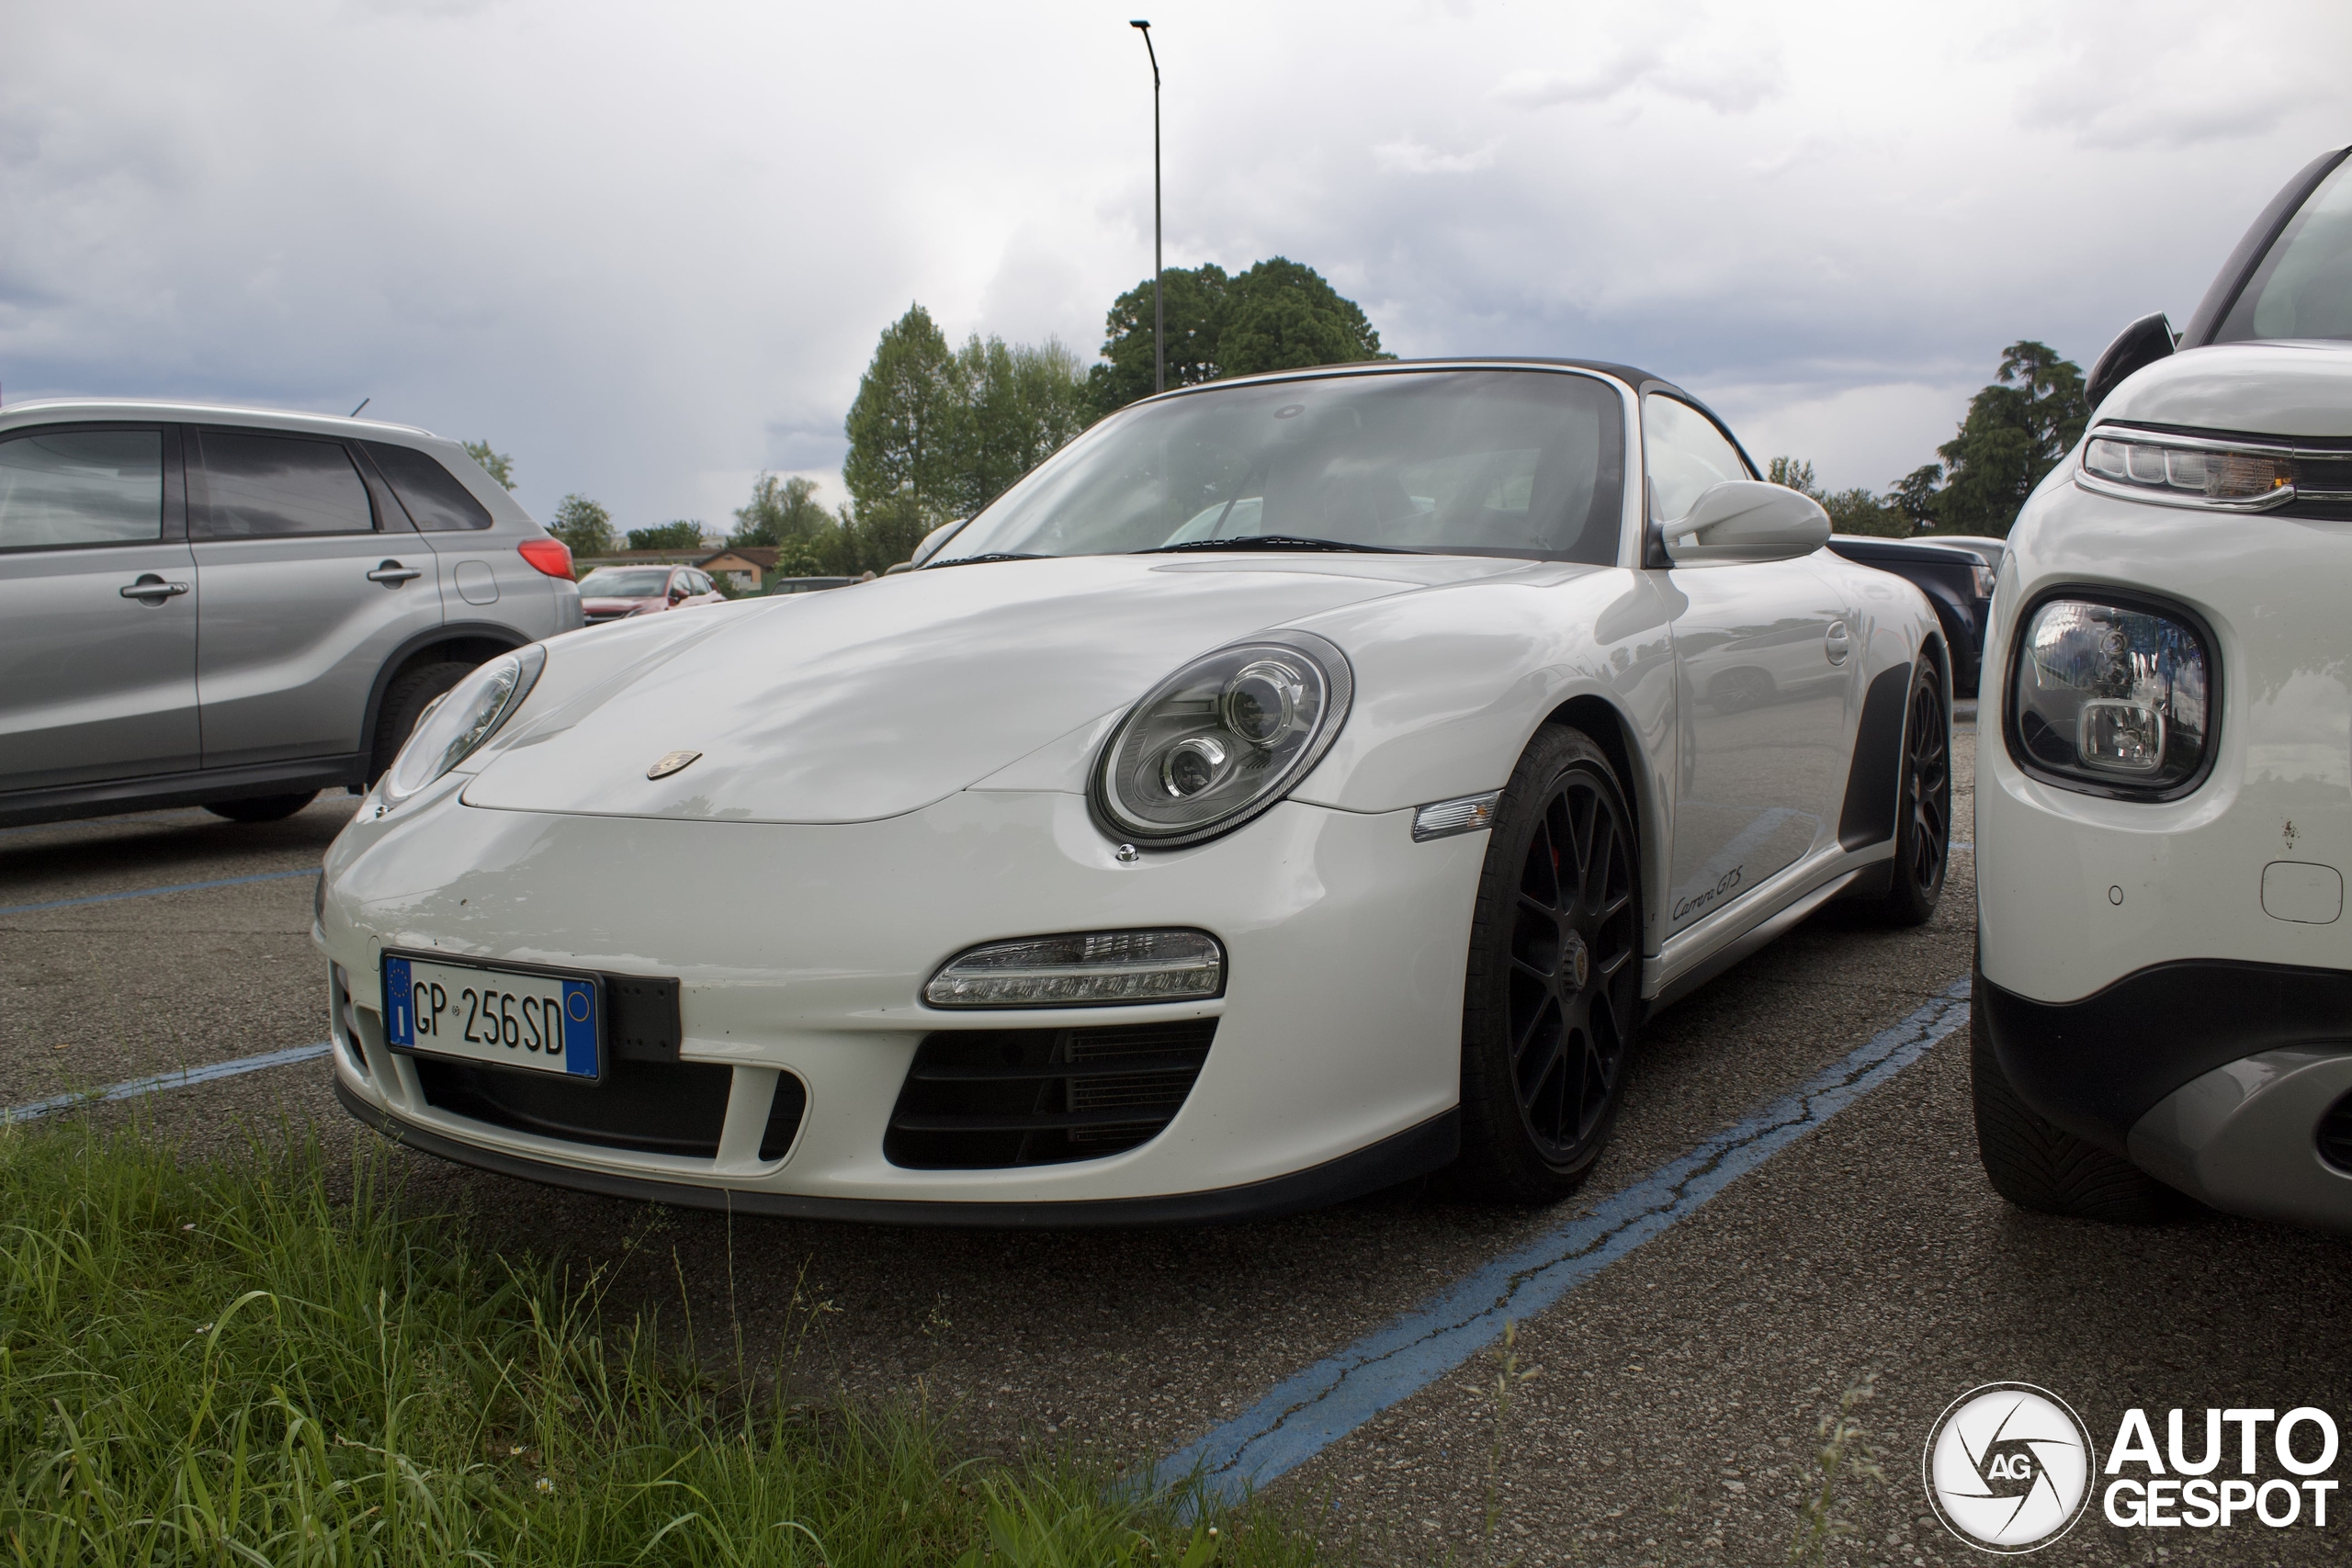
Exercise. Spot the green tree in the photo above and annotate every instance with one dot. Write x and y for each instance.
(680, 535)
(584, 526)
(1283, 316)
(903, 424)
(2016, 432)
(1019, 404)
(1194, 312)
(1914, 495)
(937, 433)
(497, 465)
(780, 510)
(1279, 315)
(1853, 511)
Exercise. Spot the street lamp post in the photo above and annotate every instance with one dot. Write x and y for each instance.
(1159, 316)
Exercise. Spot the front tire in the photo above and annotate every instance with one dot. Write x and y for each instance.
(1923, 808)
(1554, 991)
(2037, 1165)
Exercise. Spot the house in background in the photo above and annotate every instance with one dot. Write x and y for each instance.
(748, 567)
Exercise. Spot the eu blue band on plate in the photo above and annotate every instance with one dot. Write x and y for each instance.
(400, 1022)
(580, 1029)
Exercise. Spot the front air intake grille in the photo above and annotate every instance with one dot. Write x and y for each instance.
(986, 1099)
(666, 1108)
(2335, 1135)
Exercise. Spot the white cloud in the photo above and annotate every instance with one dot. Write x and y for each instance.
(1407, 156)
(645, 250)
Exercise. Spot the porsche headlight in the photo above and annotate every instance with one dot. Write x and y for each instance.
(2112, 698)
(2177, 472)
(1222, 740)
(458, 723)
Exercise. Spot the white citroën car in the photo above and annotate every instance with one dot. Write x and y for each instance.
(2163, 997)
(1295, 786)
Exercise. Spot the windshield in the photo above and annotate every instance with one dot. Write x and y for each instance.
(2303, 287)
(1454, 462)
(609, 583)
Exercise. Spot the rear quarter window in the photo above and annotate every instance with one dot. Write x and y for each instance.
(437, 501)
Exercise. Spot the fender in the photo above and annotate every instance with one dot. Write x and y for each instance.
(503, 640)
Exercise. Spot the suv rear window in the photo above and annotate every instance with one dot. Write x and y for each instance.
(436, 501)
(266, 486)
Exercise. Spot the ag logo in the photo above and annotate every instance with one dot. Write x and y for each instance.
(2008, 1467)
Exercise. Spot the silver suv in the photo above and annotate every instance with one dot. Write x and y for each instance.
(237, 609)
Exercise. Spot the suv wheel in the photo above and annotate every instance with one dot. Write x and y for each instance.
(261, 808)
(405, 700)
(2038, 1166)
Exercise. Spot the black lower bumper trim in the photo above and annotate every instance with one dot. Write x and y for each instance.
(2097, 1065)
(1414, 1152)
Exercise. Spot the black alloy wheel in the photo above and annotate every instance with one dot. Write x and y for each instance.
(1553, 993)
(1922, 807)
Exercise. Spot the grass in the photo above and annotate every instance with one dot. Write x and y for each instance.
(270, 1361)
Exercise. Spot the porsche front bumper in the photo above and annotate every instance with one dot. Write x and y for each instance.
(801, 949)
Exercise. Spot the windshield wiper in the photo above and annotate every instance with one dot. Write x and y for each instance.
(975, 560)
(1273, 542)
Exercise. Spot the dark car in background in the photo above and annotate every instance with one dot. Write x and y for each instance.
(1957, 580)
(806, 584)
(612, 593)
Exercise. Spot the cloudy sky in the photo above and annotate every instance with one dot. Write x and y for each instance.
(646, 249)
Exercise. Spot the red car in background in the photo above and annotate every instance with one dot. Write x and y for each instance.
(610, 592)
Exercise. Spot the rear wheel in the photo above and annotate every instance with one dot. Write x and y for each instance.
(405, 700)
(1554, 990)
(2037, 1165)
(1923, 808)
(261, 808)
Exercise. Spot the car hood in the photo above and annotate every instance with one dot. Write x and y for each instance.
(871, 702)
(603, 604)
(2256, 388)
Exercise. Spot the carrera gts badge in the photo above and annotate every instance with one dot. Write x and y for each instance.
(669, 762)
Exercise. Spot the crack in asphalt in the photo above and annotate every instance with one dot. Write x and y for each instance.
(1309, 1411)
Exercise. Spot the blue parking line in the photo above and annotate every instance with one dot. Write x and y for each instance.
(152, 892)
(133, 1089)
(1307, 1413)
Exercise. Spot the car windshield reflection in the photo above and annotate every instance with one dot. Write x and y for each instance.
(1522, 463)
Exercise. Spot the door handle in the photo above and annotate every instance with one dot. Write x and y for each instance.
(151, 590)
(391, 574)
(1836, 643)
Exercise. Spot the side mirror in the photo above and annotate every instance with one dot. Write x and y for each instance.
(933, 543)
(1747, 520)
(2141, 344)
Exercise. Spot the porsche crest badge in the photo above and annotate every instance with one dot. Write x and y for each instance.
(669, 762)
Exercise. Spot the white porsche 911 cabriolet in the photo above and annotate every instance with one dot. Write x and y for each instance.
(1295, 786)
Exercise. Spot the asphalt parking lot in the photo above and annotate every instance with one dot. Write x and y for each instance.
(1671, 1416)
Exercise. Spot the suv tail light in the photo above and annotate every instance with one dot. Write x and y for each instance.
(550, 556)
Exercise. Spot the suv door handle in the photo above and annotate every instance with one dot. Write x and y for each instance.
(391, 574)
(151, 590)
(1836, 643)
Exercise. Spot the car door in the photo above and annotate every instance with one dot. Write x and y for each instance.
(309, 580)
(97, 606)
(1760, 653)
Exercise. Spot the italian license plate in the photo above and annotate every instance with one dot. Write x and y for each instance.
(541, 1021)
